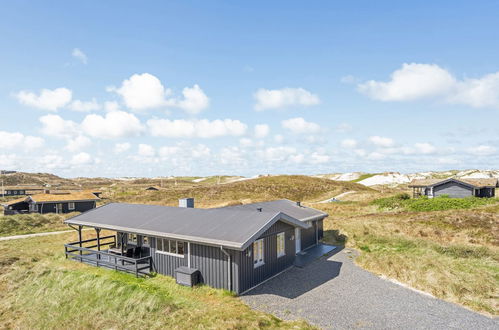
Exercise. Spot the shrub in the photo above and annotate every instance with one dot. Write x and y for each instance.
(423, 204)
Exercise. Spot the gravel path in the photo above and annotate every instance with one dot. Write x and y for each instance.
(334, 293)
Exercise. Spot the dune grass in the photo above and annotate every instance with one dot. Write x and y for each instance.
(19, 224)
(40, 289)
(404, 202)
(293, 187)
(451, 254)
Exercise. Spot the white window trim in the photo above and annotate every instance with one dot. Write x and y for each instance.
(262, 261)
(170, 254)
(69, 205)
(283, 253)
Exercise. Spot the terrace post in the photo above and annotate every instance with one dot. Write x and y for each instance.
(97, 230)
(80, 239)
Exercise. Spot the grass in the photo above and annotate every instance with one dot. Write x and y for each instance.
(32, 223)
(452, 254)
(364, 176)
(293, 187)
(39, 289)
(425, 204)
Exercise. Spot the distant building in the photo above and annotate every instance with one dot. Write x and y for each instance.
(455, 188)
(52, 203)
(20, 190)
(7, 172)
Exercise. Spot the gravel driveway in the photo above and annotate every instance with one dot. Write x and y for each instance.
(334, 293)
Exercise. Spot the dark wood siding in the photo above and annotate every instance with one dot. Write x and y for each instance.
(249, 276)
(309, 236)
(165, 263)
(320, 224)
(79, 207)
(453, 189)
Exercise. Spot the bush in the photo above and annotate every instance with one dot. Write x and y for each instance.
(422, 204)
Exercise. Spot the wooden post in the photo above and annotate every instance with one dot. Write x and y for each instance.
(122, 247)
(80, 239)
(97, 230)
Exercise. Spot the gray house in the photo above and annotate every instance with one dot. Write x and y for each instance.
(234, 248)
(453, 187)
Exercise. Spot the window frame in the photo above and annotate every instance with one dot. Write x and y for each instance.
(258, 253)
(160, 247)
(133, 238)
(71, 204)
(281, 243)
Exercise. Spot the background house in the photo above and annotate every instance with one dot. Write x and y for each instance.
(52, 203)
(456, 188)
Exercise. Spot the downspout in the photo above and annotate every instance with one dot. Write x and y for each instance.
(229, 268)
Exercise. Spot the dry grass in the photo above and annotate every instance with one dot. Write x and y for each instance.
(39, 289)
(32, 223)
(451, 254)
(294, 187)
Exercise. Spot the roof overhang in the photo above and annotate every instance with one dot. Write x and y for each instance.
(195, 239)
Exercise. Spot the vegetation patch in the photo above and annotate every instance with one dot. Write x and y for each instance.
(423, 204)
(19, 224)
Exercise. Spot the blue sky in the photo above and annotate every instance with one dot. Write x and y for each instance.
(126, 88)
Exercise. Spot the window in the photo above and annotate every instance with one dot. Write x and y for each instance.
(132, 238)
(145, 240)
(258, 253)
(71, 206)
(281, 251)
(168, 246)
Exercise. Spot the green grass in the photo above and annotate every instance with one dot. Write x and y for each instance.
(32, 223)
(40, 289)
(424, 204)
(364, 176)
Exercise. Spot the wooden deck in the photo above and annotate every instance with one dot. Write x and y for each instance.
(141, 266)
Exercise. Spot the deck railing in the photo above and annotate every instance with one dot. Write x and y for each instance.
(76, 251)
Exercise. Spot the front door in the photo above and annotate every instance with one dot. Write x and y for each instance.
(297, 240)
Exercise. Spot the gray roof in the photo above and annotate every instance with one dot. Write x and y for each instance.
(229, 227)
(302, 213)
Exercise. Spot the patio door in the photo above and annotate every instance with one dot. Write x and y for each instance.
(58, 208)
(297, 240)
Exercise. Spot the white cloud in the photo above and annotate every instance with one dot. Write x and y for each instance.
(318, 158)
(110, 106)
(245, 142)
(54, 125)
(121, 147)
(477, 93)
(146, 150)
(375, 156)
(84, 106)
(349, 143)
(419, 81)
(412, 81)
(81, 159)
(232, 156)
(278, 138)
(194, 101)
(9, 161)
(142, 91)
(299, 125)
(80, 55)
(425, 148)
(285, 97)
(203, 128)
(47, 100)
(19, 141)
(168, 151)
(360, 152)
(145, 91)
(343, 128)
(483, 150)
(52, 161)
(114, 124)
(381, 141)
(78, 143)
(261, 131)
(277, 154)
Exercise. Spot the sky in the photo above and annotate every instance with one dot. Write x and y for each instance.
(197, 88)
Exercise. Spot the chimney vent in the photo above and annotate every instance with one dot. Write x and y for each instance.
(259, 209)
(186, 202)
(298, 204)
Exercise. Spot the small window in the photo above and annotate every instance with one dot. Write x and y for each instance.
(281, 251)
(132, 238)
(170, 247)
(258, 253)
(145, 240)
(71, 206)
